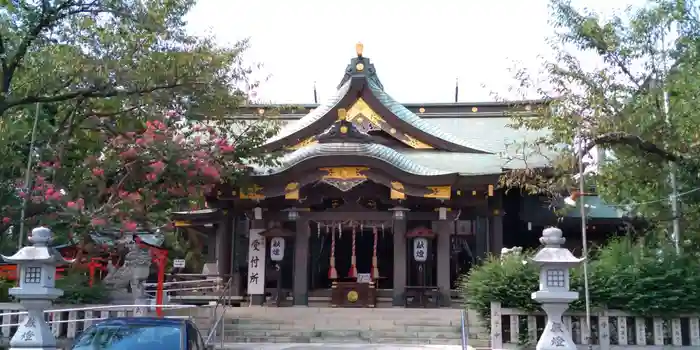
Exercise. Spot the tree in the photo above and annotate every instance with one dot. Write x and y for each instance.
(619, 107)
(99, 75)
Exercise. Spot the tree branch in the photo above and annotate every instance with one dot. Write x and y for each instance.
(94, 92)
(623, 138)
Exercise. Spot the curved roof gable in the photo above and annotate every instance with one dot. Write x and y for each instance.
(361, 83)
(370, 150)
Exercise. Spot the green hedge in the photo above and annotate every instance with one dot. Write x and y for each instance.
(644, 279)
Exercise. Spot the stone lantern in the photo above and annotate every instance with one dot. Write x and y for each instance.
(554, 293)
(36, 290)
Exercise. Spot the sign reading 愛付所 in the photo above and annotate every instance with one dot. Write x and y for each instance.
(256, 262)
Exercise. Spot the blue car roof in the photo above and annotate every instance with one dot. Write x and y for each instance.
(154, 321)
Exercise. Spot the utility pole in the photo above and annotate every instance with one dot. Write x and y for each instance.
(27, 178)
(584, 238)
(673, 182)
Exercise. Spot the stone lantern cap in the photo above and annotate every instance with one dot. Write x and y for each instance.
(553, 254)
(40, 251)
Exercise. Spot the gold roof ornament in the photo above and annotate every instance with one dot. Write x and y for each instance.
(359, 47)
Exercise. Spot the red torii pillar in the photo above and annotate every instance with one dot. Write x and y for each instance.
(160, 258)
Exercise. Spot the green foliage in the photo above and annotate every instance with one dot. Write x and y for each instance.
(642, 278)
(93, 73)
(607, 85)
(77, 290)
(508, 280)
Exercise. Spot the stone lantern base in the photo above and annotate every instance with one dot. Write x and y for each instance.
(555, 334)
(33, 332)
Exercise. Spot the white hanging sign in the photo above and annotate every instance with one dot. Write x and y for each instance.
(277, 249)
(420, 249)
(179, 263)
(256, 262)
(364, 278)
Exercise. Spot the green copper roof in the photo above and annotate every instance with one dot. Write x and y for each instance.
(409, 117)
(371, 150)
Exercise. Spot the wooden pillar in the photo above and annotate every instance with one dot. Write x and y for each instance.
(399, 232)
(224, 235)
(301, 263)
(496, 224)
(444, 230)
(257, 226)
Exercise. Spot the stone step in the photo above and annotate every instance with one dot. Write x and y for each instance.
(344, 333)
(351, 340)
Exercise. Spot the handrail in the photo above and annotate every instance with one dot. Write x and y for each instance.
(209, 280)
(219, 321)
(465, 329)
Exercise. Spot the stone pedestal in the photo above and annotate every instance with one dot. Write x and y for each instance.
(33, 332)
(555, 334)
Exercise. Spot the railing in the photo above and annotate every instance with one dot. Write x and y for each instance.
(465, 329)
(202, 284)
(610, 330)
(69, 322)
(220, 303)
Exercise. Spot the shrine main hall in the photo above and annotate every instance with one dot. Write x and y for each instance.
(374, 203)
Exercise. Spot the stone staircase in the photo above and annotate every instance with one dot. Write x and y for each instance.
(338, 325)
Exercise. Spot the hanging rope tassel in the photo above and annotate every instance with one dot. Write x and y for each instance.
(332, 273)
(375, 265)
(353, 259)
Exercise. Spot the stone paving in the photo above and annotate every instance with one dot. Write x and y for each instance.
(319, 346)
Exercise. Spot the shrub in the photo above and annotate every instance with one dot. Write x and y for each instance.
(77, 290)
(509, 281)
(645, 279)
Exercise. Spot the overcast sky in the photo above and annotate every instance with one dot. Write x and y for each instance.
(418, 47)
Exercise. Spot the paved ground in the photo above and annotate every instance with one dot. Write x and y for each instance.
(319, 346)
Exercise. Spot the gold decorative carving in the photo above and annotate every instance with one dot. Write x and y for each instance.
(361, 109)
(490, 190)
(342, 114)
(344, 178)
(421, 110)
(345, 173)
(180, 223)
(254, 192)
(360, 67)
(343, 129)
(397, 190)
(353, 296)
(309, 141)
(474, 109)
(359, 47)
(291, 191)
(438, 192)
(413, 142)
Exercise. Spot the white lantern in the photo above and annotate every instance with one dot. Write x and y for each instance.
(277, 249)
(420, 249)
(257, 213)
(442, 213)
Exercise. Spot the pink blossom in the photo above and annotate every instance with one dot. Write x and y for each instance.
(151, 177)
(98, 222)
(72, 205)
(6, 220)
(129, 226)
(98, 171)
(158, 166)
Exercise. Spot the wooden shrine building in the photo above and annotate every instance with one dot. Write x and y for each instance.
(375, 202)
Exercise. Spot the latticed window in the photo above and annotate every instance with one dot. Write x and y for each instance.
(556, 278)
(32, 275)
